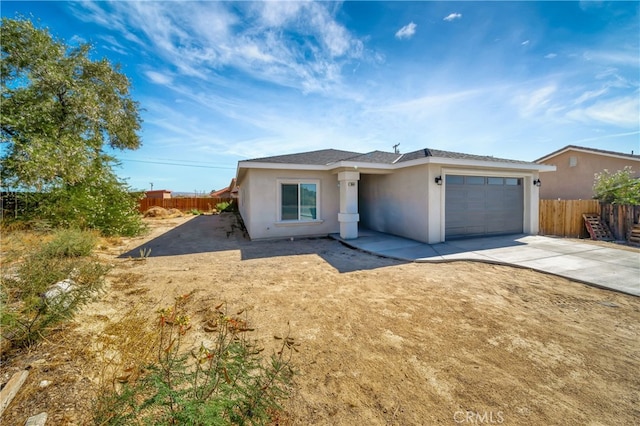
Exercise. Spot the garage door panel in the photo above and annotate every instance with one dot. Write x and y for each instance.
(473, 209)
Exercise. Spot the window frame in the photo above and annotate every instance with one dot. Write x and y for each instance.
(298, 183)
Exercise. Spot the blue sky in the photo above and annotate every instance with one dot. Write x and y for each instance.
(226, 81)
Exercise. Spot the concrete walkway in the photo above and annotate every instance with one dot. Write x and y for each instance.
(607, 267)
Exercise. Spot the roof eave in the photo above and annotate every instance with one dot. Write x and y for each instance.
(360, 165)
(389, 167)
(243, 166)
(285, 166)
(587, 151)
(477, 163)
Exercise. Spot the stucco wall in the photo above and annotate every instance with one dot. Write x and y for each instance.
(259, 205)
(396, 203)
(406, 203)
(575, 183)
(409, 203)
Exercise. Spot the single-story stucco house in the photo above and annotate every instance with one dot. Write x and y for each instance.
(576, 167)
(427, 195)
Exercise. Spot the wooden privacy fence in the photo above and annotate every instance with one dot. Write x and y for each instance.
(620, 218)
(203, 204)
(563, 218)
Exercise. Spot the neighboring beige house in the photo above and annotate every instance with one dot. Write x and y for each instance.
(426, 195)
(158, 193)
(576, 167)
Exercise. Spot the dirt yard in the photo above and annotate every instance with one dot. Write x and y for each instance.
(382, 342)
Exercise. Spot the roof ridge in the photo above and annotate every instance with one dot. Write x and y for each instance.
(593, 150)
(355, 156)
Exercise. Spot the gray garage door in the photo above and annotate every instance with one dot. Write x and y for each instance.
(481, 205)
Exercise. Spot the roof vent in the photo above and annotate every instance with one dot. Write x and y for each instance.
(395, 148)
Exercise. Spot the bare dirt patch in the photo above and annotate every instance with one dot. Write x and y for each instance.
(382, 342)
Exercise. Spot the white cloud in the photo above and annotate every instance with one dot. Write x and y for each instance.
(77, 40)
(278, 13)
(550, 55)
(591, 94)
(407, 31)
(536, 101)
(159, 78)
(452, 17)
(432, 103)
(627, 58)
(113, 45)
(526, 42)
(292, 44)
(623, 112)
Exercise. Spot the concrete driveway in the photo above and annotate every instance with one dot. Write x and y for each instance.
(602, 266)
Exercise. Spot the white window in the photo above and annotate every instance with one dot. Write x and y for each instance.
(298, 200)
(573, 161)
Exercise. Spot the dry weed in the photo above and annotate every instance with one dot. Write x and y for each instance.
(162, 213)
(125, 280)
(16, 243)
(125, 347)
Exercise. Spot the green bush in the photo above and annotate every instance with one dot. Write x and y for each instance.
(620, 187)
(71, 243)
(47, 287)
(225, 383)
(222, 206)
(103, 204)
(195, 212)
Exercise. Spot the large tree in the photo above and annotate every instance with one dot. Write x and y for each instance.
(60, 109)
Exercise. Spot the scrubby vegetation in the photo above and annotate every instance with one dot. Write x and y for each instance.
(222, 206)
(620, 187)
(45, 285)
(221, 383)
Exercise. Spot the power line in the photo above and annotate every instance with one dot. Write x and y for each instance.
(176, 164)
(181, 161)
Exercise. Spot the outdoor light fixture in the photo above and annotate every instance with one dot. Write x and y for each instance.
(439, 180)
(537, 182)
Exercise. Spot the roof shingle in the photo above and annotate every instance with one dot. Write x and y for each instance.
(321, 157)
(328, 156)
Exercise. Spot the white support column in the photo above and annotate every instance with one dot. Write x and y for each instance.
(348, 216)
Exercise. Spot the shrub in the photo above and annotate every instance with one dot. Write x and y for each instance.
(195, 212)
(71, 243)
(102, 204)
(48, 286)
(222, 206)
(620, 187)
(224, 383)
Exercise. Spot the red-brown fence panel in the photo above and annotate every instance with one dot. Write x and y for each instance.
(185, 204)
(563, 218)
